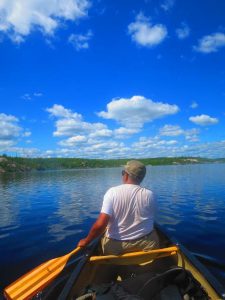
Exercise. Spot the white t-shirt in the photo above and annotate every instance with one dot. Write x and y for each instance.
(131, 209)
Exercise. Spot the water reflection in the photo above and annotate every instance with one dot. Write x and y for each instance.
(79, 199)
(44, 214)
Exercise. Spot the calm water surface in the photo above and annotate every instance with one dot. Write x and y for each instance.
(44, 214)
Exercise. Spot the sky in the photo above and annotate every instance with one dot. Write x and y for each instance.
(112, 79)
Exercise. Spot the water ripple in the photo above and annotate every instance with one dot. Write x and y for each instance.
(44, 214)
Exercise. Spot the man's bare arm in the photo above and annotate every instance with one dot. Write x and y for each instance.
(96, 230)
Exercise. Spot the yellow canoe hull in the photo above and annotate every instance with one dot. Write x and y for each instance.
(91, 268)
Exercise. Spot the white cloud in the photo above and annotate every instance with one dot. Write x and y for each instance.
(183, 32)
(9, 131)
(167, 4)
(70, 127)
(92, 149)
(120, 152)
(192, 135)
(26, 96)
(154, 147)
(106, 145)
(72, 124)
(73, 141)
(27, 133)
(9, 126)
(96, 139)
(102, 133)
(27, 152)
(194, 105)
(80, 41)
(171, 130)
(37, 94)
(124, 133)
(213, 150)
(29, 96)
(203, 120)
(134, 112)
(19, 18)
(109, 149)
(144, 147)
(59, 111)
(175, 130)
(144, 33)
(211, 43)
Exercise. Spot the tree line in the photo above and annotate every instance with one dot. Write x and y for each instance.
(13, 164)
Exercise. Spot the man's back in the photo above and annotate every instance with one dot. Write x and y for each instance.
(127, 214)
(131, 210)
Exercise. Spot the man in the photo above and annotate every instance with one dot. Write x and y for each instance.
(128, 215)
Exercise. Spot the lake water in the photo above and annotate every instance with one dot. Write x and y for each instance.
(44, 214)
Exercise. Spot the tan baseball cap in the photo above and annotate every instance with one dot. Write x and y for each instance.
(135, 169)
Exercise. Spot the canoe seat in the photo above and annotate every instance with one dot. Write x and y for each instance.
(135, 258)
(169, 292)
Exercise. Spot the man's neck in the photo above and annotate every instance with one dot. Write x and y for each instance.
(130, 181)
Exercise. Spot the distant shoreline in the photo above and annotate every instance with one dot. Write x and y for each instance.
(9, 164)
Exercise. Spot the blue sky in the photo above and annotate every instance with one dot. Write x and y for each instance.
(112, 79)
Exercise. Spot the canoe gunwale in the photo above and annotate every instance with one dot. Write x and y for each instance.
(203, 270)
(70, 282)
(210, 278)
(73, 278)
(184, 254)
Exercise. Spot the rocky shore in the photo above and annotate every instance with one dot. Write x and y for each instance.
(7, 165)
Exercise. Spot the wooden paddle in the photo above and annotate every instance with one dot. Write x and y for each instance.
(34, 281)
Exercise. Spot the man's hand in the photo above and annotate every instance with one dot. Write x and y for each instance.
(82, 243)
(97, 229)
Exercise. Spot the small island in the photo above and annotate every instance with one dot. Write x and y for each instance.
(10, 164)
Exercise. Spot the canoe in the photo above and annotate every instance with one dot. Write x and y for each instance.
(170, 272)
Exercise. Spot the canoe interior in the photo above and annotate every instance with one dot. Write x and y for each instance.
(82, 273)
(97, 274)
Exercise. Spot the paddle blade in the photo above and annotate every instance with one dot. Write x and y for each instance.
(36, 280)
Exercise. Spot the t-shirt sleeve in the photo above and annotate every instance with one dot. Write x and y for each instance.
(107, 205)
